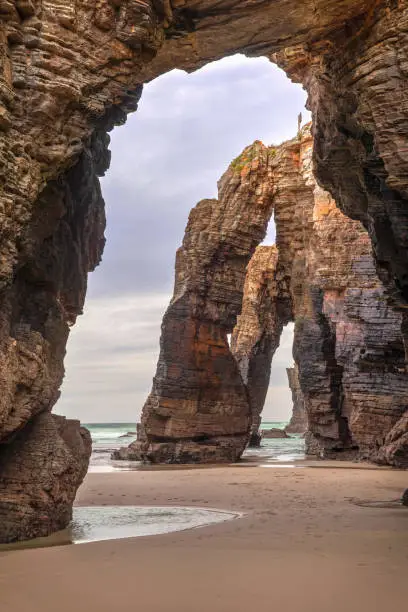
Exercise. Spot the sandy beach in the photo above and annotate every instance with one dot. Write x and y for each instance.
(303, 545)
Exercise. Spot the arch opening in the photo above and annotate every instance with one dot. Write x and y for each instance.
(168, 155)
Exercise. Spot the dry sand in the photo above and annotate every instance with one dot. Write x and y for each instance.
(302, 546)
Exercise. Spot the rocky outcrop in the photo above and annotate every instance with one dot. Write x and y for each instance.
(198, 409)
(395, 448)
(298, 421)
(128, 453)
(257, 332)
(274, 433)
(69, 67)
(40, 472)
(348, 345)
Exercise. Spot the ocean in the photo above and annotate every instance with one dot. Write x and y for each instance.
(107, 437)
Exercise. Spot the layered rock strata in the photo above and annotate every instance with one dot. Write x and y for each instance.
(298, 421)
(348, 344)
(257, 332)
(357, 83)
(198, 409)
(38, 307)
(65, 67)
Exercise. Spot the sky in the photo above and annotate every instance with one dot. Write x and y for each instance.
(167, 157)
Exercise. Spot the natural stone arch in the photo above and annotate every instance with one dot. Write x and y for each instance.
(348, 345)
(71, 71)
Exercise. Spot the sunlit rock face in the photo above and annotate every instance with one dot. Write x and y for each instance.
(257, 332)
(71, 71)
(198, 410)
(298, 420)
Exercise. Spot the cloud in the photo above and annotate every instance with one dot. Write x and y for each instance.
(167, 157)
(112, 357)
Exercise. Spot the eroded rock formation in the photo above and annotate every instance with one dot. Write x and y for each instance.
(198, 410)
(46, 295)
(40, 473)
(71, 71)
(348, 344)
(65, 67)
(298, 421)
(257, 332)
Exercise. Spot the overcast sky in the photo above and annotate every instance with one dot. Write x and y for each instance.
(167, 157)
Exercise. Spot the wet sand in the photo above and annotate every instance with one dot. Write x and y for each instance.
(304, 544)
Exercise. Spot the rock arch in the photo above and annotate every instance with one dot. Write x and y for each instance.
(71, 71)
(348, 345)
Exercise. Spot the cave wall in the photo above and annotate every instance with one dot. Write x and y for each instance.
(71, 71)
(40, 473)
(357, 83)
(58, 249)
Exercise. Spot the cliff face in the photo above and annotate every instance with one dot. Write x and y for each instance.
(357, 82)
(71, 71)
(257, 332)
(298, 421)
(348, 343)
(46, 295)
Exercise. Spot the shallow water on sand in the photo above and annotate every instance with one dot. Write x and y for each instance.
(91, 524)
(98, 523)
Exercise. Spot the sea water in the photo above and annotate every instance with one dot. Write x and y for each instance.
(107, 437)
(279, 450)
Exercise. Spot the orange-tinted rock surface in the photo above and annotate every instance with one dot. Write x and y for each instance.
(348, 344)
(198, 409)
